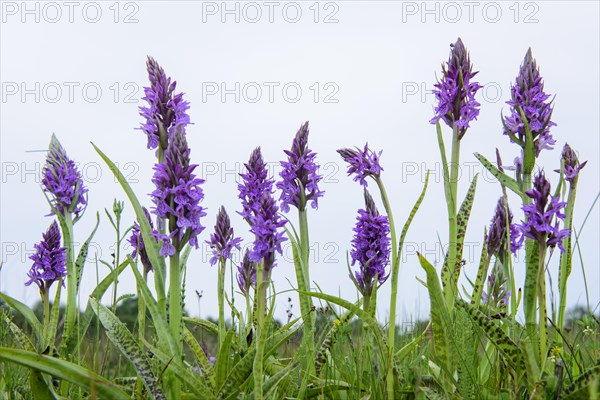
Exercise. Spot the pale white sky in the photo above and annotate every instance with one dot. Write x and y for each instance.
(358, 71)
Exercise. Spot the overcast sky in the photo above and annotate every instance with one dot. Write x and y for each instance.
(358, 71)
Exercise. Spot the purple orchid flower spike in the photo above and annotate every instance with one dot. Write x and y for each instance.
(496, 236)
(266, 226)
(223, 241)
(63, 181)
(455, 92)
(246, 276)
(528, 96)
(165, 111)
(49, 260)
(571, 163)
(542, 217)
(137, 242)
(370, 246)
(177, 196)
(255, 182)
(300, 180)
(362, 163)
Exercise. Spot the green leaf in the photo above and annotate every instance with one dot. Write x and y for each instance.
(409, 347)
(329, 341)
(50, 334)
(39, 387)
(194, 381)
(271, 384)
(223, 359)
(83, 252)
(582, 382)
(152, 249)
(20, 336)
(160, 323)
(450, 278)
(65, 370)
(501, 176)
(509, 349)
(205, 365)
(27, 313)
(444, 161)
(97, 293)
(120, 336)
(439, 314)
(360, 313)
(211, 327)
(484, 265)
(243, 368)
(462, 221)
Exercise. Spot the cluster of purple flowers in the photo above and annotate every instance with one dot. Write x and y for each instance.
(49, 260)
(362, 163)
(166, 111)
(177, 196)
(496, 236)
(528, 96)
(455, 92)
(300, 180)
(255, 182)
(370, 246)
(246, 277)
(223, 241)
(261, 211)
(540, 215)
(571, 163)
(137, 242)
(63, 181)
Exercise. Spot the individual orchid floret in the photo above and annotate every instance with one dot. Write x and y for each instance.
(300, 180)
(222, 241)
(137, 242)
(542, 217)
(528, 97)
(255, 183)
(177, 196)
(246, 275)
(496, 236)
(455, 92)
(571, 163)
(165, 110)
(370, 246)
(362, 163)
(266, 226)
(49, 260)
(63, 181)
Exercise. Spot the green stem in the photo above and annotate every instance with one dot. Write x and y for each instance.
(139, 387)
(248, 313)
(541, 281)
(71, 308)
(262, 281)
(46, 302)
(566, 257)
(221, 288)
(394, 295)
(310, 319)
(450, 291)
(175, 312)
(117, 256)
